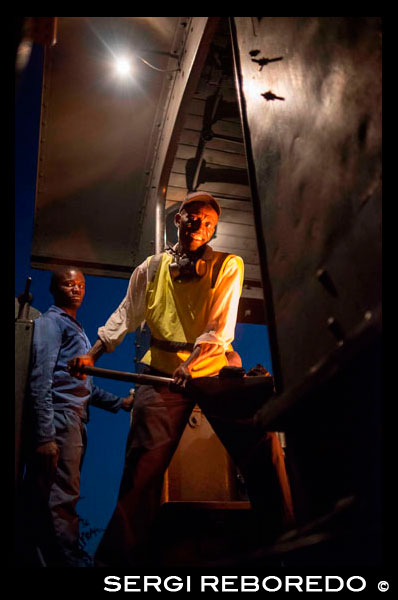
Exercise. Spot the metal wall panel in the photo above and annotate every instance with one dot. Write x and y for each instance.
(201, 468)
(310, 91)
(23, 342)
(98, 135)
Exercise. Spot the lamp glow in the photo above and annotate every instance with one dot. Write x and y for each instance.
(122, 66)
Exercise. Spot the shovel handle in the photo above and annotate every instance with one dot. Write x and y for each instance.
(125, 376)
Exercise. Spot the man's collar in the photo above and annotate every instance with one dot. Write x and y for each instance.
(59, 310)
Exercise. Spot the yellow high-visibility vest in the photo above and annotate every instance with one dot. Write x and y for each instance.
(177, 313)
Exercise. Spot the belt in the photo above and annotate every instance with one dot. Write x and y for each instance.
(169, 346)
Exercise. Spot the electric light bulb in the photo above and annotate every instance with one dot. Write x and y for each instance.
(123, 66)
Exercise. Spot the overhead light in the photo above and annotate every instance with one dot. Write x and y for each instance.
(122, 66)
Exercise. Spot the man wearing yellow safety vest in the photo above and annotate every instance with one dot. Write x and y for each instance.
(189, 296)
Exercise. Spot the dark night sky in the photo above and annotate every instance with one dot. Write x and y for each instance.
(106, 432)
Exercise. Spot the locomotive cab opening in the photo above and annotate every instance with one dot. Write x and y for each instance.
(273, 117)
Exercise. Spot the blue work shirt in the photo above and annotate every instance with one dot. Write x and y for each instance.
(57, 338)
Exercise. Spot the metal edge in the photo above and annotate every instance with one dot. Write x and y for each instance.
(262, 252)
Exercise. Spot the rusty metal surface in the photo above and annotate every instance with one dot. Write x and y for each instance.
(311, 99)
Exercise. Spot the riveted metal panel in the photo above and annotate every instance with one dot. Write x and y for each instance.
(310, 91)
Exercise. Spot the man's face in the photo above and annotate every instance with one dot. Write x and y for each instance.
(69, 289)
(196, 223)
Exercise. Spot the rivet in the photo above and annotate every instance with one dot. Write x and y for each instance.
(325, 279)
(335, 328)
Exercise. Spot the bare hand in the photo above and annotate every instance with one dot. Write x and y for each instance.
(181, 375)
(74, 365)
(128, 401)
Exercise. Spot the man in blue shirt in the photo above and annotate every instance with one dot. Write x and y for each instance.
(59, 413)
